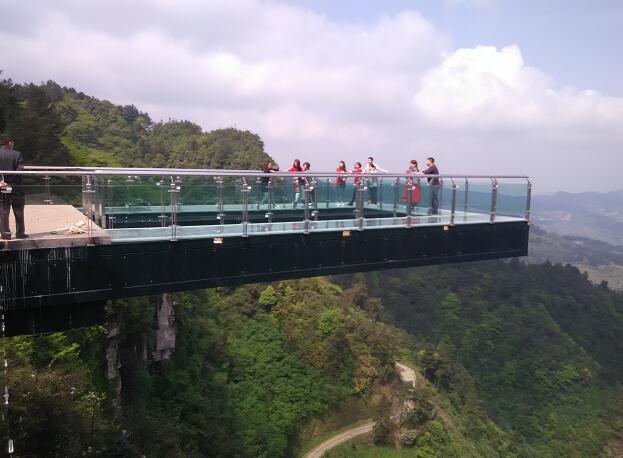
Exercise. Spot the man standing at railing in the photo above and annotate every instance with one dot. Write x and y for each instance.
(10, 189)
(434, 184)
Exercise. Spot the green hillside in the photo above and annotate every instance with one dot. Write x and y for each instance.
(513, 360)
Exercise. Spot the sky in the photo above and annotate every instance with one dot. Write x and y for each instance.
(485, 86)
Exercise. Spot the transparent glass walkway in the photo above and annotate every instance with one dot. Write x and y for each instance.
(118, 205)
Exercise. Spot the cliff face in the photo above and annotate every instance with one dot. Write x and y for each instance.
(165, 335)
(113, 363)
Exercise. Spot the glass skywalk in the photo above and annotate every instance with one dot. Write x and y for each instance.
(135, 205)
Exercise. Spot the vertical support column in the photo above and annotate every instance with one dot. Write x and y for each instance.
(315, 194)
(327, 194)
(440, 197)
(219, 204)
(129, 180)
(528, 200)
(162, 217)
(87, 199)
(246, 189)
(453, 203)
(99, 203)
(307, 192)
(48, 195)
(466, 197)
(109, 196)
(269, 213)
(173, 191)
(395, 186)
(494, 199)
(83, 183)
(409, 203)
(430, 198)
(6, 395)
(360, 198)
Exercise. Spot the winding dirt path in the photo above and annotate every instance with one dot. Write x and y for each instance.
(347, 435)
(406, 375)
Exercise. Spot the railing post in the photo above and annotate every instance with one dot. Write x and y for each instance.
(87, 198)
(360, 198)
(395, 186)
(162, 217)
(83, 182)
(269, 213)
(466, 196)
(430, 198)
(219, 205)
(128, 181)
(453, 203)
(380, 197)
(48, 199)
(440, 209)
(409, 203)
(494, 199)
(528, 200)
(111, 218)
(328, 193)
(246, 189)
(307, 192)
(99, 203)
(315, 194)
(174, 189)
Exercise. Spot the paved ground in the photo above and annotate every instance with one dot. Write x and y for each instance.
(47, 227)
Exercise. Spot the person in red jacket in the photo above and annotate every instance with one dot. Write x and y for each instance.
(357, 169)
(298, 182)
(340, 183)
(412, 184)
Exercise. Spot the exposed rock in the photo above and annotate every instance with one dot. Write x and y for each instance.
(165, 335)
(113, 364)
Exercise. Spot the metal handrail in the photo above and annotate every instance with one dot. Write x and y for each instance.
(226, 173)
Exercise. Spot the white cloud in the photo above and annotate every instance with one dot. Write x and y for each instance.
(318, 88)
(487, 87)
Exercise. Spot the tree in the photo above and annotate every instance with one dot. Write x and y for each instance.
(383, 428)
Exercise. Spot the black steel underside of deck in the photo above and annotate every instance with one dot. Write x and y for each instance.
(43, 288)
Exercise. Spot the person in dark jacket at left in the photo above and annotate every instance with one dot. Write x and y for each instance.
(10, 189)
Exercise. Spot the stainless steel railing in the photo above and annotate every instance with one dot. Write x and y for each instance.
(484, 195)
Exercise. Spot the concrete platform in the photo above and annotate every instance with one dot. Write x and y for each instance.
(47, 227)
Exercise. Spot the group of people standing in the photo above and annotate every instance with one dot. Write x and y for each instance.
(412, 190)
(412, 186)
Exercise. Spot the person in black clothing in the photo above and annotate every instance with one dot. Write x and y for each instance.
(10, 189)
(434, 184)
(267, 167)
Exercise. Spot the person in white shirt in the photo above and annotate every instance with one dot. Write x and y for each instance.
(371, 164)
(373, 185)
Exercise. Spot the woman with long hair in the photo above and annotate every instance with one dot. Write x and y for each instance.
(340, 183)
(357, 180)
(298, 182)
(412, 186)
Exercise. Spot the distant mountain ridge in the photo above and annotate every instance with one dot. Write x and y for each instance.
(602, 261)
(594, 215)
